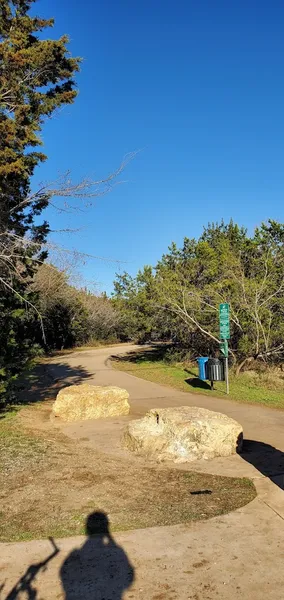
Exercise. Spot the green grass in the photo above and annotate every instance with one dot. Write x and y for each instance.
(254, 388)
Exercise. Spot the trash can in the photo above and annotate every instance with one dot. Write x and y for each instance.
(202, 364)
(215, 369)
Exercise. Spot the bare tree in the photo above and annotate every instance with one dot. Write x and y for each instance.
(65, 188)
(17, 250)
(96, 315)
(102, 316)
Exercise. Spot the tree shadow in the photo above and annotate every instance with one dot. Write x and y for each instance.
(266, 459)
(150, 354)
(100, 569)
(46, 380)
(25, 585)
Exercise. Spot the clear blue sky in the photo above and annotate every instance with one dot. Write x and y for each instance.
(199, 87)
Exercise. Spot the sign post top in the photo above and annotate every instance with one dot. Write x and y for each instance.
(224, 318)
(224, 307)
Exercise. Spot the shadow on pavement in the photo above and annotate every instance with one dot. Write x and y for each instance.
(25, 586)
(266, 459)
(46, 380)
(148, 354)
(100, 569)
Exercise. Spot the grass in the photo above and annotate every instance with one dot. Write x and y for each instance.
(249, 387)
(49, 484)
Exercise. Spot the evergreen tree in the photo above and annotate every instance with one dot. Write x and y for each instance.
(36, 78)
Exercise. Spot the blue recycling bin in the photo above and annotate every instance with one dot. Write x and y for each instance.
(202, 360)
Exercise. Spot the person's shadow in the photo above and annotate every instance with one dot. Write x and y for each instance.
(100, 570)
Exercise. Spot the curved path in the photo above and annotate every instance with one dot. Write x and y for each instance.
(232, 557)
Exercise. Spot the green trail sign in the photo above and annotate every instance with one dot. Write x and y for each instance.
(224, 348)
(224, 317)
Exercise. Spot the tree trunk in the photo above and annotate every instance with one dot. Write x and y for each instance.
(243, 363)
(233, 356)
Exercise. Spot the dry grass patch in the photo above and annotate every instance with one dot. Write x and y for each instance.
(49, 484)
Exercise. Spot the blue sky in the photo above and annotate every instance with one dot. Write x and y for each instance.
(199, 88)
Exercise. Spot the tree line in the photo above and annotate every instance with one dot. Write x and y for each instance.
(178, 299)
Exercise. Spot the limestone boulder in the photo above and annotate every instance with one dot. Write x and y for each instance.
(183, 434)
(81, 402)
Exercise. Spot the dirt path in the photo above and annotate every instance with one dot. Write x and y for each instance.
(239, 555)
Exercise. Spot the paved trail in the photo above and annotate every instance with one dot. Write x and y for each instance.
(232, 557)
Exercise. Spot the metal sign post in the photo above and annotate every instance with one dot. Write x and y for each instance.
(224, 318)
(227, 375)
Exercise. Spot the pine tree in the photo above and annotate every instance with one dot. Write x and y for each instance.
(36, 78)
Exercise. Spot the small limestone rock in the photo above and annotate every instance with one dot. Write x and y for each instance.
(183, 434)
(81, 402)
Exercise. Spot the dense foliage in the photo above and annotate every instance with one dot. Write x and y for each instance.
(72, 316)
(36, 78)
(179, 299)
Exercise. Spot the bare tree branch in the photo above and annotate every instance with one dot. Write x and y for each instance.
(64, 187)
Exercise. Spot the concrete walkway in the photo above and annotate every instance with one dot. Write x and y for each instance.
(239, 555)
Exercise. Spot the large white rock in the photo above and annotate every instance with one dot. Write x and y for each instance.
(81, 402)
(183, 434)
